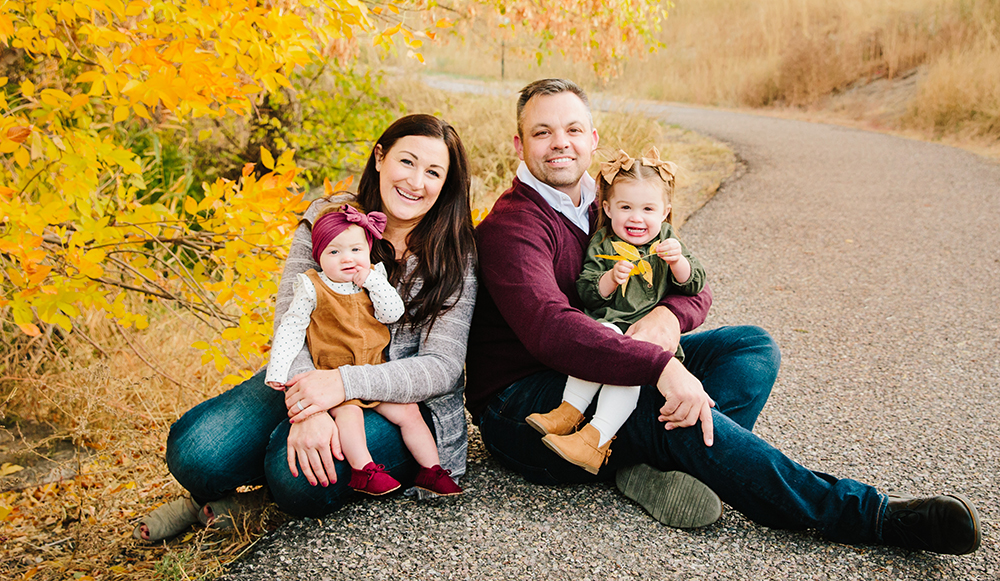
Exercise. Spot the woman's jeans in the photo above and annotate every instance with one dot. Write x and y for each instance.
(737, 366)
(238, 439)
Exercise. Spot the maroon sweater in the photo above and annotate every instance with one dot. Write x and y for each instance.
(528, 315)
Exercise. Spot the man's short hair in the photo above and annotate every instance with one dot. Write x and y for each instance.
(549, 87)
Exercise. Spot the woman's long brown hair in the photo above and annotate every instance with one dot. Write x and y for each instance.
(443, 240)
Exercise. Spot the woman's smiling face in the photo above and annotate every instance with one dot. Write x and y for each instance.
(411, 175)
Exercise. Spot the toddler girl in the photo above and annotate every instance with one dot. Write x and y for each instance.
(635, 196)
(344, 326)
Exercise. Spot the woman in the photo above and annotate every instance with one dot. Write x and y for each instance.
(417, 175)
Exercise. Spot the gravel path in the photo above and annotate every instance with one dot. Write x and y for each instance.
(875, 263)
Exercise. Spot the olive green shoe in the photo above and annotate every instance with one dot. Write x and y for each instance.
(674, 498)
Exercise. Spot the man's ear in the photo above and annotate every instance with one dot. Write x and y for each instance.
(519, 147)
(379, 156)
(597, 139)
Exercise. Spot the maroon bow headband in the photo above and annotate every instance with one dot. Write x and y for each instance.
(331, 224)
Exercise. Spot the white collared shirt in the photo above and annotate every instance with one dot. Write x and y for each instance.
(560, 202)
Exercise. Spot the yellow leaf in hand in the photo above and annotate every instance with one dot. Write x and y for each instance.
(647, 271)
(628, 252)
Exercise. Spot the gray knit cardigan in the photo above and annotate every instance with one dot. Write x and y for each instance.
(421, 365)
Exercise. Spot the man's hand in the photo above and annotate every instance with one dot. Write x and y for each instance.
(659, 327)
(312, 392)
(315, 442)
(686, 400)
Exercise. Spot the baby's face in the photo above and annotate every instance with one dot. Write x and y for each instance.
(637, 210)
(345, 255)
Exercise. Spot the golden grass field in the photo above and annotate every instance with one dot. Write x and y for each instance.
(928, 69)
(113, 392)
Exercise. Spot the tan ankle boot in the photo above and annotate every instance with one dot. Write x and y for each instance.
(580, 448)
(562, 420)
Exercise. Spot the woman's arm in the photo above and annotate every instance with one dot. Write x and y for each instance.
(424, 363)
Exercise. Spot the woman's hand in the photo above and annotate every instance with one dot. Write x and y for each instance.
(312, 392)
(315, 442)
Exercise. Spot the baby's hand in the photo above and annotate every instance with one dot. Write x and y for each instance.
(669, 250)
(620, 272)
(276, 385)
(361, 275)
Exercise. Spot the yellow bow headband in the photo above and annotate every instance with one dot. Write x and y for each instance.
(622, 162)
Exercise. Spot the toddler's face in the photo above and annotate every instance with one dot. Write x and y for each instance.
(637, 210)
(345, 255)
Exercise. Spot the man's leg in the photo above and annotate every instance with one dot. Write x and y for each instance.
(750, 475)
(737, 366)
(772, 490)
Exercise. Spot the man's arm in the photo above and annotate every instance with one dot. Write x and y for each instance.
(519, 250)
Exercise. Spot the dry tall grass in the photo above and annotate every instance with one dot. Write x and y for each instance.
(114, 392)
(802, 53)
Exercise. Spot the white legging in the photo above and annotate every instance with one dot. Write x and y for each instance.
(614, 405)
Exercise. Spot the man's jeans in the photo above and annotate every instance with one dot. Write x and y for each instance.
(238, 438)
(737, 366)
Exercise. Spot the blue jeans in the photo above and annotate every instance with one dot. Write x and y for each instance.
(238, 438)
(737, 366)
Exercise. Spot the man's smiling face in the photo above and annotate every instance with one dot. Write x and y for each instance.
(557, 141)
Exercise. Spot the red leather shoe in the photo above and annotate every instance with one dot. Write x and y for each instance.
(437, 480)
(373, 479)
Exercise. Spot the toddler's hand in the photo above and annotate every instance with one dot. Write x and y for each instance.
(276, 385)
(361, 275)
(620, 272)
(669, 250)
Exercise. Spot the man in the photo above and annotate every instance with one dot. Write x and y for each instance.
(690, 435)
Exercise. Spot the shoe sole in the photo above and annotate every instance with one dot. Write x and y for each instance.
(585, 466)
(363, 491)
(538, 427)
(441, 494)
(674, 498)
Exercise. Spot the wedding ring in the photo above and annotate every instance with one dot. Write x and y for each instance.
(299, 405)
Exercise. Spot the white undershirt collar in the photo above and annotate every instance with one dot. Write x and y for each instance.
(560, 202)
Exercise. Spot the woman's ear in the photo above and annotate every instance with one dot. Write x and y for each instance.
(379, 156)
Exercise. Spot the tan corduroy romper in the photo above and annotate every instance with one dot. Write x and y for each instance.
(343, 330)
